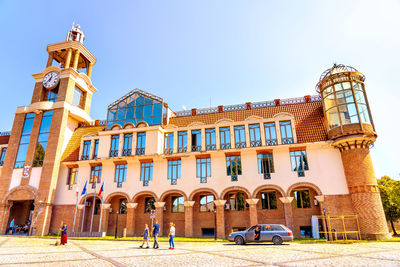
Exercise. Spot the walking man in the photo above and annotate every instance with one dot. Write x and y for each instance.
(156, 231)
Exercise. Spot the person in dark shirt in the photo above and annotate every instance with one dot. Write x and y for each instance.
(63, 230)
(257, 232)
(156, 231)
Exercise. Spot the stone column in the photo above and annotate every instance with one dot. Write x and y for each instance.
(220, 217)
(50, 59)
(104, 217)
(188, 218)
(253, 210)
(322, 206)
(89, 69)
(160, 215)
(68, 58)
(287, 205)
(130, 219)
(76, 59)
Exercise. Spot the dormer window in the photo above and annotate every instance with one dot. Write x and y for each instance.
(286, 132)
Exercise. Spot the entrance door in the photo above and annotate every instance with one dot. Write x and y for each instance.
(21, 213)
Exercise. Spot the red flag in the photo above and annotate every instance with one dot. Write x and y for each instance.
(101, 189)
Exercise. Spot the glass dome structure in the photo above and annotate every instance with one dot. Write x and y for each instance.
(135, 107)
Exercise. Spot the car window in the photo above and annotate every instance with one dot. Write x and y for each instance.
(276, 228)
(252, 228)
(266, 228)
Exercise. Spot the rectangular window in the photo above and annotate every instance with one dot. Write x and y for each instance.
(72, 177)
(233, 167)
(78, 98)
(86, 150)
(42, 139)
(268, 200)
(302, 199)
(96, 149)
(174, 170)
(196, 140)
(240, 136)
(24, 141)
(225, 138)
(141, 143)
(299, 162)
(120, 174)
(177, 204)
(255, 135)
(95, 175)
(203, 169)
(146, 172)
(206, 203)
(286, 132)
(210, 139)
(169, 143)
(270, 134)
(114, 145)
(51, 95)
(182, 142)
(127, 151)
(149, 204)
(236, 201)
(265, 164)
(3, 155)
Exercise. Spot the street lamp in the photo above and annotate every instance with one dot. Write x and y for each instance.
(116, 224)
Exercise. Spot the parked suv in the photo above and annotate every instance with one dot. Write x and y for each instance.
(276, 233)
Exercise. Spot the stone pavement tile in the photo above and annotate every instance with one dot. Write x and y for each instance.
(194, 259)
(393, 255)
(342, 261)
(86, 263)
(43, 257)
(271, 255)
(337, 249)
(130, 252)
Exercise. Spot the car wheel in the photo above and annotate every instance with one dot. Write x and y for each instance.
(239, 240)
(277, 240)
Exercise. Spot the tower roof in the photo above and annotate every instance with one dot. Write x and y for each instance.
(338, 68)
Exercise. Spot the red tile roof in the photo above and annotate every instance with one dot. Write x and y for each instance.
(4, 139)
(309, 119)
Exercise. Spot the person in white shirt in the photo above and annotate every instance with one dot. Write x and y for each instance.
(171, 235)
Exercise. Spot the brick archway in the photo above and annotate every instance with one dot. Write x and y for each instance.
(23, 192)
(88, 197)
(142, 193)
(173, 191)
(271, 186)
(110, 196)
(303, 184)
(235, 188)
(209, 190)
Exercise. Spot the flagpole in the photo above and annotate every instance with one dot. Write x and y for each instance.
(76, 207)
(84, 207)
(101, 206)
(93, 205)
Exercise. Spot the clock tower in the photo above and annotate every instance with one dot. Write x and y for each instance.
(61, 101)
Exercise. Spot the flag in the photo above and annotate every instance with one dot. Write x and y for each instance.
(84, 189)
(77, 191)
(101, 189)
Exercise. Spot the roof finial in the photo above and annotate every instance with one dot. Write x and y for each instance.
(75, 34)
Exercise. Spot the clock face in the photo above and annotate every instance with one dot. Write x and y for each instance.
(51, 79)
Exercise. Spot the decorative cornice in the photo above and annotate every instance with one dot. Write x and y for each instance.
(363, 189)
(72, 44)
(252, 201)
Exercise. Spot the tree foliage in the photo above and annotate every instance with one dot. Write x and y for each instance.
(390, 194)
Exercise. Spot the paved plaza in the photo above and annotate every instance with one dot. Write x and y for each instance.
(22, 251)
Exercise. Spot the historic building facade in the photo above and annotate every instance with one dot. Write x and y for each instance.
(210, 170)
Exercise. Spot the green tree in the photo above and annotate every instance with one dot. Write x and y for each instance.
(390, 194)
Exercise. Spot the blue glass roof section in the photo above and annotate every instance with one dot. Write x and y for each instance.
(134, 107)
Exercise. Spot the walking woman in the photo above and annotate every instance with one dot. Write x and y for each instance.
(64, 234)
(171, 235)
(145, 236)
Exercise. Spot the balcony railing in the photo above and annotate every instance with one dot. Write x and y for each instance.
(271, 142)
(196, 148)
(95, 156)
(140, 151)
(85, 157)
(267, 175)
(240, 144)
(255, 143)
(288, 140)
(226, 146)
(127, 152)
(113, 153)
(182, 149)
(234, 178)
(1, 163)
(168, 150)
(211, 147)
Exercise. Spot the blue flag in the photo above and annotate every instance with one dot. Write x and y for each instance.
(84, 189)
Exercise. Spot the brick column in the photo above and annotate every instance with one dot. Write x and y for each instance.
(4, 215)
(322, 206)
(287, 205)
(78, 220)
(188, 218)
(160, 215)
(220, 217)
(130, 219)
(253, 210)
(105, 214)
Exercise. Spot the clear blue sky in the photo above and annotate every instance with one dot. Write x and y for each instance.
(231, 51)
